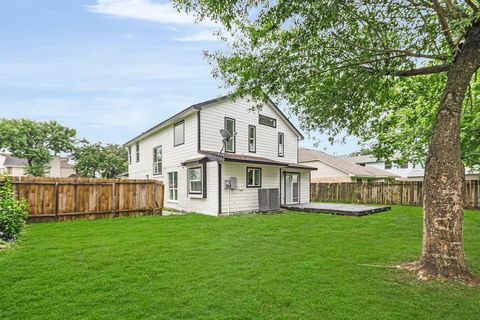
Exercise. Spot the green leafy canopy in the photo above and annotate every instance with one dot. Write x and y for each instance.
(97, 160)
(35, 141)
(343, 66)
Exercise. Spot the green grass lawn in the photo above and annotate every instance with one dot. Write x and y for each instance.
(285, 266)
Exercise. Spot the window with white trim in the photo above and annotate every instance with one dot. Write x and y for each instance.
(252, 138)
(173, 186)
(281, 144)
(195, 180)
(129, 154)
(230, 127)
(254, 177)
(267, 121)
(157, 160)
(179, 133)
(137, 152)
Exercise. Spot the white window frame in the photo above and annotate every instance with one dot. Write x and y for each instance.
(252, 140)
(157, 164)
(256, 172)
(129, 154)
(198, 192)
(178, 124)
(137, 152)
(263, 120)
(173, 186)
(232, 134)
(281, 145)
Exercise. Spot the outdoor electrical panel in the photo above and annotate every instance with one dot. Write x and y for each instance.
(231, 183)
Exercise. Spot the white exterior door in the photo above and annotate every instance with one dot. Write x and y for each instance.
(292, 188)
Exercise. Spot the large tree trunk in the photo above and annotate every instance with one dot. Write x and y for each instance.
(442, 255)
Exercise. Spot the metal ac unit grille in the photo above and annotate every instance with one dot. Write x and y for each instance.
(268, 199)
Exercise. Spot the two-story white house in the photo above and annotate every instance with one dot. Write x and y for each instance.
(184, 152)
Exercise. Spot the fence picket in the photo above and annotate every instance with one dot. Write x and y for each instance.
(72, 198)
(398, 192)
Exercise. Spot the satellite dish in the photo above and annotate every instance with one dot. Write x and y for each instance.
(226, 135)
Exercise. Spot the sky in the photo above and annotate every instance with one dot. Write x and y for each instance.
(111, 69)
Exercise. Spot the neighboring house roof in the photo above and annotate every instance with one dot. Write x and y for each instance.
(233, 157)
(11, 161)
(342, 164)
(199, 106)
(362, 159)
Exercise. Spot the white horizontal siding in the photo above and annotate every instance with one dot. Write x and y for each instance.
(325, 170)
(213, 117)
(208, 205)
(172, 157)
(245, 199)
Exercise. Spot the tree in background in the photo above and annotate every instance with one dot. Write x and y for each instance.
(364, 151)
(36, 141)
(96, 160)
(339, 65)
(403, 133)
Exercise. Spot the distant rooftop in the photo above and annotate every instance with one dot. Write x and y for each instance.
(343, 164)
(11, 161)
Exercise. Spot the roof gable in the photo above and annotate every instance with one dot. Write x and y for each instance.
(199, 106)
(269, 103)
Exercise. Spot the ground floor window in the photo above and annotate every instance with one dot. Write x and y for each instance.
(254, 177)
(195, 180)
(173, 186)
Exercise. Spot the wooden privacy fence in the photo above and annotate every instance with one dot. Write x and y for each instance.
(398, 192)
(53, 199)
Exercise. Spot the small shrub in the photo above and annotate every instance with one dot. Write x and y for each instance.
(13, 213)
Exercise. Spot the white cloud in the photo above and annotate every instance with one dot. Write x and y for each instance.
(144, 10)
(200, 36)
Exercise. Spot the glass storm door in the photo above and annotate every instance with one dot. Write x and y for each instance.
(292, 188)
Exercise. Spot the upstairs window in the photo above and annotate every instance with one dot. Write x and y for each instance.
(157, 160)
(252, 139)
(179, 133)
(404, 166)
(173, 186)
(137, 152)
(129, 154)
(281, 144)
(230, 127)
(267, 121)
(195, 181)
(254, 177)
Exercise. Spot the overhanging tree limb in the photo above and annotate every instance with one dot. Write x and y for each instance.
(472, 5)
(421, 71)
(442, 19)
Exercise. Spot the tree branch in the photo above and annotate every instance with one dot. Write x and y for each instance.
(421, 71)
(386, 51)
(472, 5)
(443, 24)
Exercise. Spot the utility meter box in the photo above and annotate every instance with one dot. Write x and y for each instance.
(231, 183)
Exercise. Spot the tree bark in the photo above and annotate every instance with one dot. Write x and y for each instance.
(443, 254)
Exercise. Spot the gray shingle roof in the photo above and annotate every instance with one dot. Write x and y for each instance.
(343, 164)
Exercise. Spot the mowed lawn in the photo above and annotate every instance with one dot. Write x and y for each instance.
(283, 266)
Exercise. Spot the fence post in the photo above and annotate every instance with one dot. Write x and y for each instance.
(114, 200)
(56, 201)
(154, 209)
